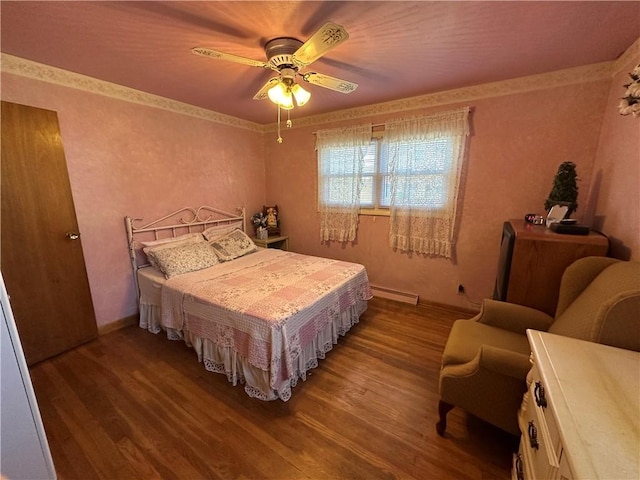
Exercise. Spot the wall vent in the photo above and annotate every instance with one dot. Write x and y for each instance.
(396, 295)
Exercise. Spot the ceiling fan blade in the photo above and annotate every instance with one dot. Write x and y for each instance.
(207, 52)
(329, 36)
(332, 83)
(262, 93)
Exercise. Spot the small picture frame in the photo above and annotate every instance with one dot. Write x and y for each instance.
(556, 214)
(273, 219)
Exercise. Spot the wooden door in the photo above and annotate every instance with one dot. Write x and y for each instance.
(42, 260)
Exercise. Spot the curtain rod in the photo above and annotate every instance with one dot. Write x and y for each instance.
(376, 126)
(380, 126)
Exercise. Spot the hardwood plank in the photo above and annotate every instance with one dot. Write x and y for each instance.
(131, 404)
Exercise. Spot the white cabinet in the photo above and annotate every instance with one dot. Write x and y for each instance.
(579, 416)
(24, 450)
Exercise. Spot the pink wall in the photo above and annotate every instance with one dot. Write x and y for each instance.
(614, 206)
(517, 143)
(129, 159)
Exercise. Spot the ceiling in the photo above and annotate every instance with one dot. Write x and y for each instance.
(396, 49)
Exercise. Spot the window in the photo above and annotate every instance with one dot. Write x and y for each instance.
(339, 174)
(411, 174)
(340, 159)
(370, 178)
(422, 170)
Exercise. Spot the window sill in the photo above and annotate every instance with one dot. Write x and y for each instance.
(376, 212)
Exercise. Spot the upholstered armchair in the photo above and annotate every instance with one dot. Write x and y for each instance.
(486, 358)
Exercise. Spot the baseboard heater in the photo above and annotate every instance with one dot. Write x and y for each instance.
(396, 295)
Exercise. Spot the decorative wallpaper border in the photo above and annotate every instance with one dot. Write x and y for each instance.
(633, 52)
(571, 76)
(58, 76)
(594, 72)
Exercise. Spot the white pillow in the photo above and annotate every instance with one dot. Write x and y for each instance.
(179, 238)
(152, 246)
(217, 231)
(185, 258)
(233, 245)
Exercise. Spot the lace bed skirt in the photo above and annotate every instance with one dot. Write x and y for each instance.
(225, 360)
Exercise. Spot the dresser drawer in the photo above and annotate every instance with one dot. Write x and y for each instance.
(520, 470)
(537, 448)
(576, 411)
(564, 472)
(539, 401)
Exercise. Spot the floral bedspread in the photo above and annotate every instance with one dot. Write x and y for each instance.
(266, 306)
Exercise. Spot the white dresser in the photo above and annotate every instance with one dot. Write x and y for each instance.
(24, 450)
(580, 418)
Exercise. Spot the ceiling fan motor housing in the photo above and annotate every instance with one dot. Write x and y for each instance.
(280, 52)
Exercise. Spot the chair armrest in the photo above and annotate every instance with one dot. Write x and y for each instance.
(504, 362)
(513, 317)
(494, 359)
(577, 277)
(620, 326)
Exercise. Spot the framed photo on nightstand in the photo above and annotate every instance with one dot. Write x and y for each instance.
(273, 221)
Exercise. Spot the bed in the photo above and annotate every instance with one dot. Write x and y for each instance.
(262, 317)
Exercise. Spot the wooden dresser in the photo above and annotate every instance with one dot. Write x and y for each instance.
(538, 260)
(579, 417)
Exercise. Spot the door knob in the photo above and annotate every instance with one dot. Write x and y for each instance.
(73, 235)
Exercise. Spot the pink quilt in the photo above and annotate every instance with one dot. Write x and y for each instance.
(266, 306)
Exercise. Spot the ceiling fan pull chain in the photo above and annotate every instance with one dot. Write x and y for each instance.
(279, 140)
(289, 119)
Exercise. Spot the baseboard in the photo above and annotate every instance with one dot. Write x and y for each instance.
(118, 324)
(396, 295)
(449, 308)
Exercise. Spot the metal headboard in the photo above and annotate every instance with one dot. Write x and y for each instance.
(185, 220)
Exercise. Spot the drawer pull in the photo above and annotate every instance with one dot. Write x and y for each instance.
(519, 468)
(538, 392)
(533, 435)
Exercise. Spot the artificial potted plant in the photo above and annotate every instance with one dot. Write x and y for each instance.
(565, 189)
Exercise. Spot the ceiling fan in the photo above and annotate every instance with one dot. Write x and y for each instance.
(288, 56)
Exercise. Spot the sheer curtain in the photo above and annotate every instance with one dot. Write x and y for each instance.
(340, 159)
(425, 156)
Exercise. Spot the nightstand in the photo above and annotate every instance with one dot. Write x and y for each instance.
(281, 242)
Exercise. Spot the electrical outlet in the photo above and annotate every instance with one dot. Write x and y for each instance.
(460, 289)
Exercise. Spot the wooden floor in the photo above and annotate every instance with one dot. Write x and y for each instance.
(136, 405)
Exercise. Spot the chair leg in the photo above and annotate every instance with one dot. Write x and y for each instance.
(443, 409)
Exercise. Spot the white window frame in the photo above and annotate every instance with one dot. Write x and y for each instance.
(376, 209)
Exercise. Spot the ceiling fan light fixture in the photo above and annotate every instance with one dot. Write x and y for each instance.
(301, 95)
(286, 56)
(280, 94)
(287, 101)
(276, 93)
